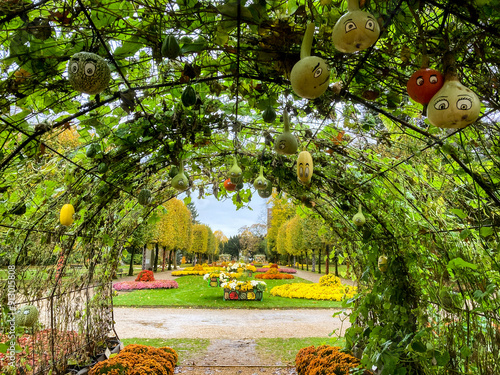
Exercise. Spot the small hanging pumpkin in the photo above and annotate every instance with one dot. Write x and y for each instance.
(66, 215)
(260, 182)
(180, 181)
(310, 76)
(267, 192)
(286, 143)
(424, 84)
(454, 105)
(235, 172)
(359, 218)
(304, 167)
(229, 186)
(356, 30)
(382, 263)
(88, 73)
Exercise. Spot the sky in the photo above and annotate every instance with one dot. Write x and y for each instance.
(222, 215)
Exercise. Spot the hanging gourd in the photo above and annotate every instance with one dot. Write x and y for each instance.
(145, 198)
(102, 167)
(188, 96)
(359, 218)
(356, 30)
(88, 73)
(170, 47)
(66, 215)
(269, 114)
(304, 167)
(382, 263)
(267, 192)
(229, 186)
(310, 76)
(454, 105)
(424, 84)
(235, 172)
(260, 182)
(286, 143)
(93, 150)
(180, 181)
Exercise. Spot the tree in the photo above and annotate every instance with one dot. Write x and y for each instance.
(221, 241)
(282, 210)
(194, 212)
(233, 247)
(199, 243)
(251, 238)
(311, 225)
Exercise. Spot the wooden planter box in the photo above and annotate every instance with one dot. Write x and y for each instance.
(213, 282)
(235, 295)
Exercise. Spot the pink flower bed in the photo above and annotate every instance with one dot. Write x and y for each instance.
(134, 285)
(284, 270)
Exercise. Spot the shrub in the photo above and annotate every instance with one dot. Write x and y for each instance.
(325, 360)
(330, 280)
(145, 275)
(273, 273)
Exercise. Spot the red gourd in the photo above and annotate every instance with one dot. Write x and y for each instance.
(424, 84)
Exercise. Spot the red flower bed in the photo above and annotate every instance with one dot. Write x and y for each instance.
(283, 270)
(145, 275)
(136, 285)
(273, 273)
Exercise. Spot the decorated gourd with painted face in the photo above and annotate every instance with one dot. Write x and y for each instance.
(286, 143)
(382, 263)
(424, 84)
(88, 73)
(304, 167)
(359, 218)
(66, 215)
(453, 106)
(235, 172)
(356, 30)
(267, 192)
(180, 181)
(310, 76)
(229, 186)
(260, 182)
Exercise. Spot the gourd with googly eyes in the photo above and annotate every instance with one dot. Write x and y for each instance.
(310, 76)
(286, 143)
(88, 73)
(424, 84)
(356, 30)
(454, 105)
(305, 167)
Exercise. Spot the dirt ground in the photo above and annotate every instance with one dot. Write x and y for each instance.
(232, 333)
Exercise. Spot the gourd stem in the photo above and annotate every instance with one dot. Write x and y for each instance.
(425, 61)
(450, 67)
(261, 171)
(359, 209)
(181, 166)
(286, 122)
(305, 49)
(352, 5)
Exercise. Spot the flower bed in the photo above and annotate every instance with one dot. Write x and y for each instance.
(273, 273)
(138, 359)
(282, 270)
(145, 275)
(243, 290)
(135, 285)
(196, 271)
(326, 359)
(329, 288)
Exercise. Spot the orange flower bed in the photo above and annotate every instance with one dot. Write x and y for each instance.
(273, 273)
(325, 360)
(138, 359)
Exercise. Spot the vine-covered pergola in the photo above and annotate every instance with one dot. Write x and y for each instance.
(430, 195)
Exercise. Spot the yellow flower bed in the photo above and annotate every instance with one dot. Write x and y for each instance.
(197, 270)
(329, 288)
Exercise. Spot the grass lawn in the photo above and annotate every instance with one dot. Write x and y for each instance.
(193, 291)
(269, 349)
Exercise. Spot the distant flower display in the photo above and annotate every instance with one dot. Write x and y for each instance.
(329, 288)
(244, 286)
(145, 275)
(137, 285)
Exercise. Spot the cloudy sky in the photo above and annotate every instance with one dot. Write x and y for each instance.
(222, 215)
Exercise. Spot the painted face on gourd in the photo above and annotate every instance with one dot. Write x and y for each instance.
(304, 167)
(88, 73)
(310, 77)
(453, 106)
(424, 84)
(355, 31)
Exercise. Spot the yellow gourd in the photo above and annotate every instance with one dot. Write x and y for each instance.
(356, 30)
(359, 218)
(310, 76)
(382, 263)
(304, 167)
(66, 215)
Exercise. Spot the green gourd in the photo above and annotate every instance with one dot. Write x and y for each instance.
(269, 114)
(173, 171)
(235, 172)
(188, 96)
(170, 47)
(310, 76)
(359, 218)
(93, 150)
(267, 192)
(26, 316)
(260, 182)
(286, 143)
(102, 167)
(180, 181)
(356, 30)
(88, 73)
(145, 197)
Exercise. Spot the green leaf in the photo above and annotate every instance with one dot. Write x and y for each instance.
(465, 234)
(442, 358)
(458, 263)
(486, 231)
(459, 213)
(418, 346)
(187, 200)
(129, 48)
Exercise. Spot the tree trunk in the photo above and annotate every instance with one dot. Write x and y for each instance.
(163, 259)
(327, 265)
(131, 266)
(155, 262)
(336, 260)
(175, 259)
(313, 266)
(170, 260)
(319, 260)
